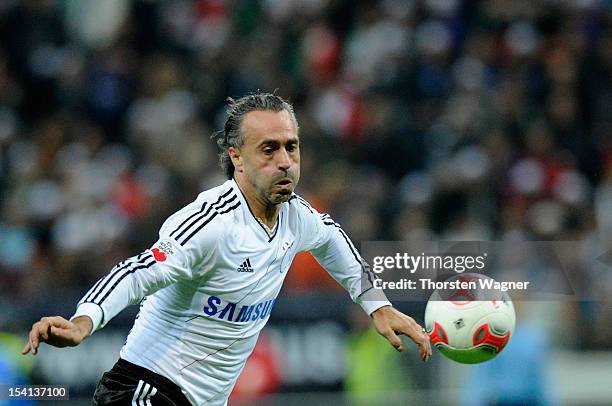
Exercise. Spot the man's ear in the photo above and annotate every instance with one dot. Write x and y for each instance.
(236, 157)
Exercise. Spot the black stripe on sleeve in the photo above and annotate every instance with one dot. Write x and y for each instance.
(214, 214)
(95, 291)
(198, 218)
(198, 229)
(307, 206)
(305, 203)
(92, 290)
(364, 266)
(126, 273)
(140, 259)
(215, 207)
(367, 290)
(200, 211)
(326, 217)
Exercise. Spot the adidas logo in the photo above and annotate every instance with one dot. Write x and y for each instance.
(245, 266)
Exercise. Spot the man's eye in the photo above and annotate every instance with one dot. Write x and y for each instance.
(268, 151)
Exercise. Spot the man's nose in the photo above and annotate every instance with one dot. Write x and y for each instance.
(284, 160)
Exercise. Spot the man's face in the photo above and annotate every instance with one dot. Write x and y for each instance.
(269, 159)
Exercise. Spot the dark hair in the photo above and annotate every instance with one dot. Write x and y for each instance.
(231, 135)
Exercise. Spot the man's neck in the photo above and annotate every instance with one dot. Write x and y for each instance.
(264, 212)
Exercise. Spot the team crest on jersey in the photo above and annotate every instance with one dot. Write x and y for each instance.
(162, 251)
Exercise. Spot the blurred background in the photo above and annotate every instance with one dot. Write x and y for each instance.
(429, 119)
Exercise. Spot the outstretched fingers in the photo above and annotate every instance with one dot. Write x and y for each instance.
(34, 338)
(392, 337)
(41, 332)
(419, 336)
(390, 322)
(26, 349)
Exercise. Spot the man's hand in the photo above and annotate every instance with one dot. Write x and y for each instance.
(389, 322)
(58, 332)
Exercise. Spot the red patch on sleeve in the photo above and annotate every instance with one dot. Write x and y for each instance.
(159, 255)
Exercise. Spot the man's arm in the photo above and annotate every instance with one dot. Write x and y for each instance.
(127, 283)
(133, 279)
(337, 254)
(169, 260)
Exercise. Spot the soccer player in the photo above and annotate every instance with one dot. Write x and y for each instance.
(209, 284)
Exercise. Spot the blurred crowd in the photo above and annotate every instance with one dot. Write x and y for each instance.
(429, 119)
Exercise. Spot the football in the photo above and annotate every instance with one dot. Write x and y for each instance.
(467, 324)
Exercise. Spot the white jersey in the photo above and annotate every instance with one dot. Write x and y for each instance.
(210, 283)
